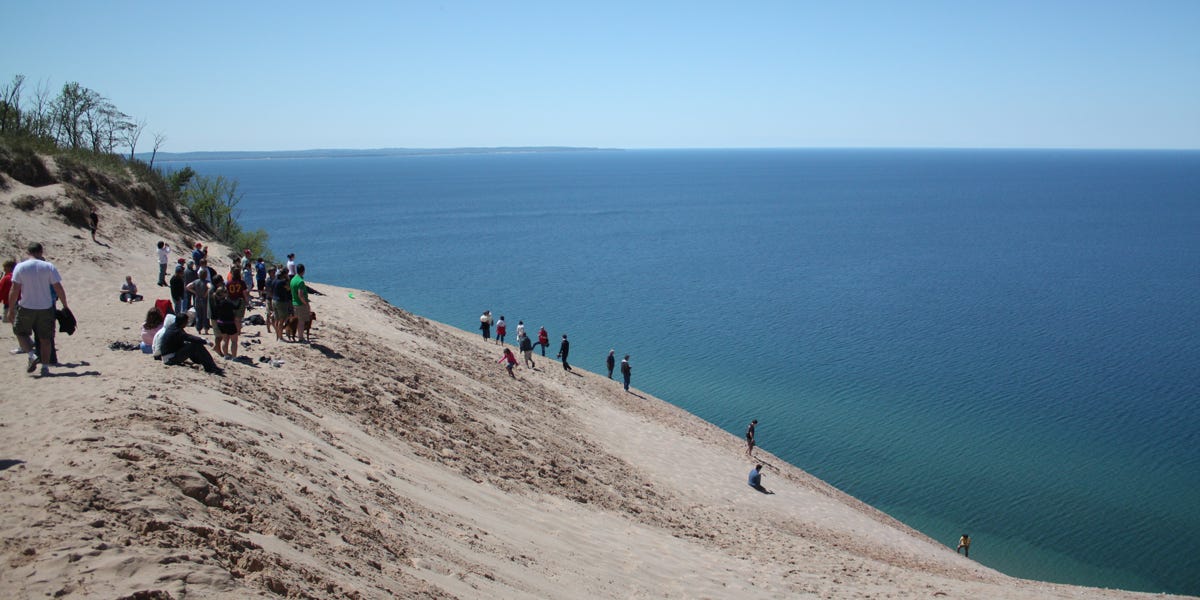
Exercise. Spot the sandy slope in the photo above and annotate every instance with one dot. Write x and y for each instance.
(394, 458)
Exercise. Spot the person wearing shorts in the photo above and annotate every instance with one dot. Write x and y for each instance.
(31, 306)
(300, 303)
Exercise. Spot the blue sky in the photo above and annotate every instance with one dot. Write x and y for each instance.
(298, 75)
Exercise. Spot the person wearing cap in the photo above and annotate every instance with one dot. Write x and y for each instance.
(198, 253)
(31, 306)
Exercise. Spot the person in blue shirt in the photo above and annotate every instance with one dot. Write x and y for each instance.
(755, 479)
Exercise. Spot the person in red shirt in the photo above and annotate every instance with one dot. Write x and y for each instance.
(543, 339)
(6, 284)
(239, 295)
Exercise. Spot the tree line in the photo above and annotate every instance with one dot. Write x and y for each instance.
(81, 120)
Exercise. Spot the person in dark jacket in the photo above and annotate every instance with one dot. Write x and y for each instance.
(179, 347)
(611, 362)
(526, 346)
(626, 370)
(563, 349)
(177, 292)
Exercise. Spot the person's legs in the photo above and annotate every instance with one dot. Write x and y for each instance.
(231, 344)
(302, 313)
(162, 274)
(198, 354)
(627, 383)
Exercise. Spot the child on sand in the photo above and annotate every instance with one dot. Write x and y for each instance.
(964, 544)
(510, 361)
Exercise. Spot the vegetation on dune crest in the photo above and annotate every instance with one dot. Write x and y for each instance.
(83, 131)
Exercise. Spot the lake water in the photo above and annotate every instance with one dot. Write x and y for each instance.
(1004, 343)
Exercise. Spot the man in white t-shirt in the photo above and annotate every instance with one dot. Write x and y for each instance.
(291, 265)
(31, 305)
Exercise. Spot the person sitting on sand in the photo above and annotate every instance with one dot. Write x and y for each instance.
(964, 544)
(129, 291)
(755, 479)
(179, 347)
(150, 328)
(510, 361)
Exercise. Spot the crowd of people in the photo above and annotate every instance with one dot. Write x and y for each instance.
(209, 301)
(526, 345)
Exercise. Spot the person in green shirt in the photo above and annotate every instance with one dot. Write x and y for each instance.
(300, 305)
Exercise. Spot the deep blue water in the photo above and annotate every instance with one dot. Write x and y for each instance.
(1005, 343)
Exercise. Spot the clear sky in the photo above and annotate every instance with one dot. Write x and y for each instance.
(257, 75)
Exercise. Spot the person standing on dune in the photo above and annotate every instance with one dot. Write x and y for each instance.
(563, 350)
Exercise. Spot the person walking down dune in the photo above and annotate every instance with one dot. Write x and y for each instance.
(526, 346)
(510, 361)
(563, 350)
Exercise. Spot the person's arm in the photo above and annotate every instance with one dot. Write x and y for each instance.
(62, 294)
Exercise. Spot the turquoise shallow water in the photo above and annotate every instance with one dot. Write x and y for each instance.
(999, 342)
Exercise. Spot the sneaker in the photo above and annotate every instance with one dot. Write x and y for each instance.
(45, 371)
(33, 361)
(16, 351)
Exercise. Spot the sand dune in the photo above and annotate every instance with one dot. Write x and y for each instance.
(395, 458)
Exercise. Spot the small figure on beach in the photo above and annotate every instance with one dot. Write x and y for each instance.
(6, 286)
(93, 223)
(291, 265)
(501, 329)
(510, 361)
(964, 545)
(300, 306)
(485, 324)
(164, 257)
(281, 299)
(129, 291)
(543, 340)
(755, 479)
(150, 329)
(563, 350)
(750, 437)
(177, 291)
(611, 361)
(626, 371)
(224, 315)
(526, 346)
(520, 330)
(200, 296)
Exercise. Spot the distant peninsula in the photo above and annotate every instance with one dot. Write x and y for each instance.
(352, 153)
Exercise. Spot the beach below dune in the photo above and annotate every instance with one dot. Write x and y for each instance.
(394, 457)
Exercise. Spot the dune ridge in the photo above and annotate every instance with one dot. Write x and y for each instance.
(393, 458)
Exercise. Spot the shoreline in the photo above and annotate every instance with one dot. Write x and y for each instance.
(395, 457)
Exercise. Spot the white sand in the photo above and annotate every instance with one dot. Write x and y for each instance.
(395, 458)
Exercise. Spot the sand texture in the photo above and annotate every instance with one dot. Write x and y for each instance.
(393, 457)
